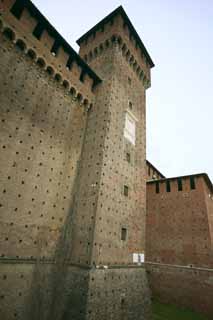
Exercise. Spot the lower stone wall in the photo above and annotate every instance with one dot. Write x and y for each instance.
(183, 286)
(119, 293)
(42, 290)
(55, 291)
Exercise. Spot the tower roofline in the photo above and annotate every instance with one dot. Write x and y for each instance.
(118, 11)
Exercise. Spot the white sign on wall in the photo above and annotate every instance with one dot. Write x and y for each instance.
(129, 130)
(138, 257)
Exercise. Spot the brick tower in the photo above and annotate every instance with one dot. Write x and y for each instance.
(113, 173)
(73, 169)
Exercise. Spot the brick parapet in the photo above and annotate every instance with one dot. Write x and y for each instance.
(186, 181)
(50, 51)
(179, 222)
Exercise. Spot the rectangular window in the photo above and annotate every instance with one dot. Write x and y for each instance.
(123, 234)
(129, 130)
(128, 157)
(126, 191)
(157, 188)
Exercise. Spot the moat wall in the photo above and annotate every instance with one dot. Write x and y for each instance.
(186, 287)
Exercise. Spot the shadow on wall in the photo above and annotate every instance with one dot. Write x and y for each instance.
(57, 287)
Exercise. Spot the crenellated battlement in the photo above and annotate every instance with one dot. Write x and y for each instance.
(177, 184)
(29, 30)
(116, 28)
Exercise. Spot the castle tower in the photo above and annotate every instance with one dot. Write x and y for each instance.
(112, 181)
(73, 169)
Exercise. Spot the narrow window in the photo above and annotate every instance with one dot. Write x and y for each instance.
(168, 188)
(123, 234)
(157, 188)
(192, 183)
(126, 191)
(37, 32)
(17, 9)
(128, 157)
(130, 105)
(122, 302)
(180, 187)
(149, 171)
(129, 81)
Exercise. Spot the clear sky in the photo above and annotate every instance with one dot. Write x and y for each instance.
(179, 37)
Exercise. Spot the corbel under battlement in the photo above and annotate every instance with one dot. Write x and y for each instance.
(28, 29)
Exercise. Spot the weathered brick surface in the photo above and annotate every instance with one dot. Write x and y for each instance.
(63, 171)
(23, 31)
(178, 223)
(31, 291)
(116, 171)
(179, 250)
(41, 136)
(120, 293)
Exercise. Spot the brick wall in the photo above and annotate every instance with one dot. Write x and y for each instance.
(179, 250)
(178, 223)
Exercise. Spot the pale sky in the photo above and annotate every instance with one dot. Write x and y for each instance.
(178, 35)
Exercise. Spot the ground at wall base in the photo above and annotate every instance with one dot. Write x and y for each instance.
(171, 312)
